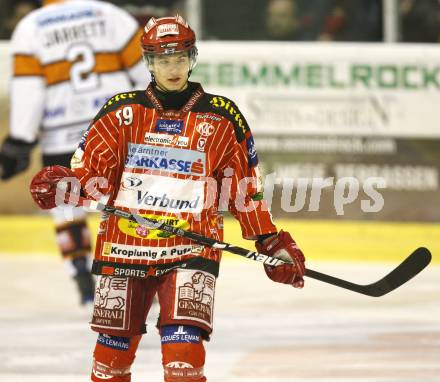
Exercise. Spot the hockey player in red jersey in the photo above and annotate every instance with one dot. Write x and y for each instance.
(174, 153)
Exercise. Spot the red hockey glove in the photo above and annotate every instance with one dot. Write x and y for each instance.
(283, 247)
(43, 187)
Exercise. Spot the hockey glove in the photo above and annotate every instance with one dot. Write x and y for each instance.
(283, 247)
(14, 157)
(43, 187)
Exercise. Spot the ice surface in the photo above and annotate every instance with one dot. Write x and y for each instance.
(264, 332)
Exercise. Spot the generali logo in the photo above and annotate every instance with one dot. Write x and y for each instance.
(196, 297)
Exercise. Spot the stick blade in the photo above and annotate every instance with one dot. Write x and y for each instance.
(410, 267)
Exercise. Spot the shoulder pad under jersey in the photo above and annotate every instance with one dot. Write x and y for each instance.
(229, 110)
(126, 98)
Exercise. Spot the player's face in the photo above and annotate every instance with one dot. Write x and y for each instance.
(171, 71)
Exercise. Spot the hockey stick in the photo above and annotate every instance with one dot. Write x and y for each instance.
(405, 271)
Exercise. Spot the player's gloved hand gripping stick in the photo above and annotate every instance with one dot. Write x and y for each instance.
(47, 197)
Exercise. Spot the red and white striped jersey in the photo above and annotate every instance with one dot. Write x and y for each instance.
(69, 58)
(184, 167)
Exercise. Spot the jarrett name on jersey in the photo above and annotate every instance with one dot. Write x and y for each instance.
(68, 60)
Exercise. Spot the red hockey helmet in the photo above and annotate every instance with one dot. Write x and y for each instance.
(167, 35)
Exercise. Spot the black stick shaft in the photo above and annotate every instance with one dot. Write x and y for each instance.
(411, 266)
(333, 280)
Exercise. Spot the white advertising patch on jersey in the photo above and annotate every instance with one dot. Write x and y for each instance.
(169, 159)
(194, 298)
(77, 159)
(160, 193)
(166, 139)
(259, 178)
(111, 301)
(201, 144)
(205, 129)
(122, 251)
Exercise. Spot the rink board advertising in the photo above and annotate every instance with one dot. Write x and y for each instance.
(331, 111)
(334, 111)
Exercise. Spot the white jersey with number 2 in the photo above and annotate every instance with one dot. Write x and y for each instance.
(68, 59)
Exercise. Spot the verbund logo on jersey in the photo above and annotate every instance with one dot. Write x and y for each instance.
(162, 201)
(162, 193)
(177, 161)
(169, 126)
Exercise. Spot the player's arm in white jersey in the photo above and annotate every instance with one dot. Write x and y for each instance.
(27, 92)
(29, 83)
